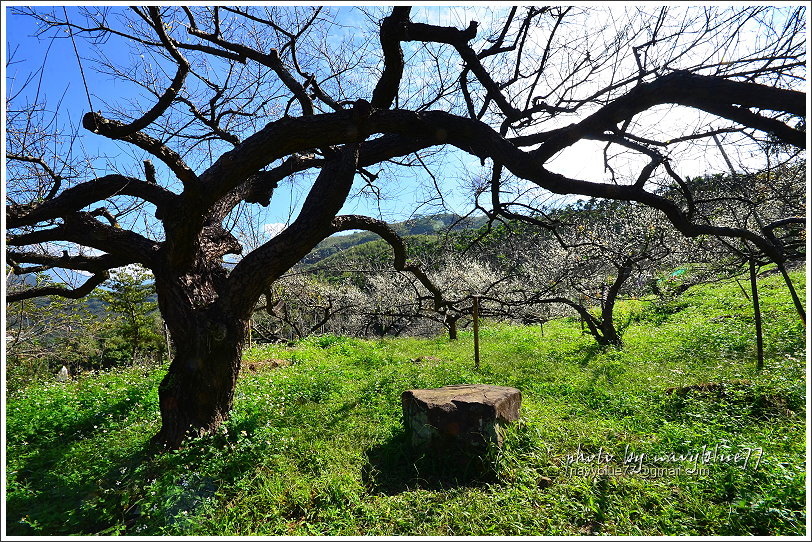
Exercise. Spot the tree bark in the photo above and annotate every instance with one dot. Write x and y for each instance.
(197, 393)
(607, 323)
(609, 335)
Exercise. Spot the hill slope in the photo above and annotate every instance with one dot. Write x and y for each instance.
(426, 225)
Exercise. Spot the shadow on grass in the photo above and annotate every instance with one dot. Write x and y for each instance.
(56, 432)
(53, 503)
(60, 493)
(394, 466)
(588, 353)
(57, 493)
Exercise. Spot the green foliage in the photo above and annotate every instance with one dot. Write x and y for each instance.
(115, 326)
(43, 334)
(73, 446)
(373, 254)
(135, 327)
(425, 226)
(317, 447)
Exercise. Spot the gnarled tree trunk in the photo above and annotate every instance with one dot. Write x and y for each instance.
(197, 392)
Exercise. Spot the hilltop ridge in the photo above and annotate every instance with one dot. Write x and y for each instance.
(421, 225)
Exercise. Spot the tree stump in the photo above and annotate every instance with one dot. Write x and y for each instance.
(462, 418)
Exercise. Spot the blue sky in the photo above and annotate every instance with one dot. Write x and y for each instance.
(62, 81)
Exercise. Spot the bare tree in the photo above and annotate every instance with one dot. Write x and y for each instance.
(297, 306)
(601, 247)
(235, 101)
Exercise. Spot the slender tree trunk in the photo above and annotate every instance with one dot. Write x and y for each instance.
(602, 330)
(607, 323)
(452, 328)
(795, 299)
(757, 314)
(609, 335)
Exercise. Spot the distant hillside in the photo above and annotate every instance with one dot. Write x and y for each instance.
(426, 225)
(355, 246)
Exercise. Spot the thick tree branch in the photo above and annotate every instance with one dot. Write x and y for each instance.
(257, 270)
(80, 196)
(112, 129)
(393, 30)
(746, 117)
(95, 264)
(785, 222)
(385, 232)
(459, 40)
(288, 135)
(169, 95)
(75, 293)
(712, 94)
(271, 60)
(81, 228)
(132, 132)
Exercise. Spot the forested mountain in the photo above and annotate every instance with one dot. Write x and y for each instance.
(423, 225)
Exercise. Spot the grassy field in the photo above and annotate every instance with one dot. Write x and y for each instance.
(317, 447)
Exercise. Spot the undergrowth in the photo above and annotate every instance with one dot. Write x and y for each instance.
(317, 447)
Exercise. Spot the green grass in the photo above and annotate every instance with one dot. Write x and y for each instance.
(317, 447)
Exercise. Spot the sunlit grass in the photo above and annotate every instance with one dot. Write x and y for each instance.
(317, 447)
